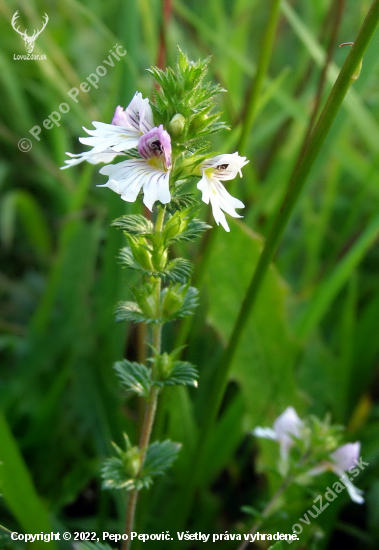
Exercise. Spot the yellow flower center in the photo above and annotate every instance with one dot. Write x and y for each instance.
(155, 162)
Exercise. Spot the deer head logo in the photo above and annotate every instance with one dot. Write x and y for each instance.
(29, 40)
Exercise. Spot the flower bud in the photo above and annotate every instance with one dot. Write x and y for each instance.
(132, 461)
(176, 224)
(163, 365)
(190, 167)
(147, 305)
(159, 258)
(177, 125)
(141, 254)
(172, 300)
(199, 122)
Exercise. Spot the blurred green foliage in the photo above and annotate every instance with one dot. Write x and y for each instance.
(312, 340)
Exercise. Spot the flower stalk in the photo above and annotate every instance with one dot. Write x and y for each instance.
(270, 506)
(152, 403)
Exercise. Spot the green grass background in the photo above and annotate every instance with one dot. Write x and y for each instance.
(312, 341)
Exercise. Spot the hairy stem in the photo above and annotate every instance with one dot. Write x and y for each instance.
(143, 445)
(267, 510)
(152, 402)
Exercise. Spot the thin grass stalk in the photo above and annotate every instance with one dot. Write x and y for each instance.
(258, 82)
(336, 12)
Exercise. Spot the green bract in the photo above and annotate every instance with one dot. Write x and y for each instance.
(184, 104)
(123, 471)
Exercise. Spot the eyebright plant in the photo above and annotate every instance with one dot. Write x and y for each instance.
(311, 447)
(164, 149)
(307, 448)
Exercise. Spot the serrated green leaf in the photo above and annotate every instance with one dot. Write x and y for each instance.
(130, 311)
(127, 260)
(180, 202)
(183, 373)
(191, 301)
(178, 270)
(115, 476)
(188, 303)
(194, 230)
(135, 377)
(159, 457)
(134, 224)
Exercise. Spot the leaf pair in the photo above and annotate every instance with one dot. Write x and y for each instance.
(138, 379)
(177, 301)
(160, 456)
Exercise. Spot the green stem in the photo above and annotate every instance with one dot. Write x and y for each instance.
(295, 186)
(272, 502)
(160, 219)
(336, 12)
(266, 512)
(143, 445)
(260, 75)
(152, 402)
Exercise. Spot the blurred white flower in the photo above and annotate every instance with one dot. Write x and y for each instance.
(150, 173)
(221, 167)
(343, 460)
(122, 134)
(285, 427)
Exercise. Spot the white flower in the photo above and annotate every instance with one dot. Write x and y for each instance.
(105, 156)
(342, 460)
(108, 140)
(221, 167)
(287, 425)
(151, 173)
